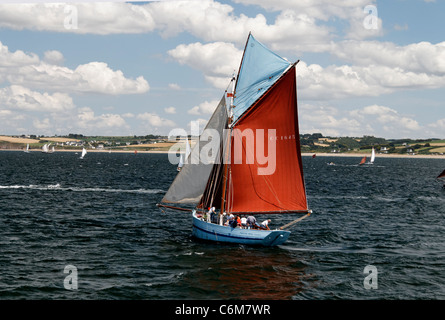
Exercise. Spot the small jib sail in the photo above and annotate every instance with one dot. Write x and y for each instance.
(84, 152)
(45, 148)
(257, 168)
(371, 161)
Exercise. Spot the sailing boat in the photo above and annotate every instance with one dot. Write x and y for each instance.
(183, 157)
(27, 148)
(84, 152)
(45, 148)
(263, 110)
(363, 161)
(371, 161)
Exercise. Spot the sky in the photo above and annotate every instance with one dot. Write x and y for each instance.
(137, 68)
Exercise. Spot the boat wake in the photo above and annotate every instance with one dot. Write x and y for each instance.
(58, 187)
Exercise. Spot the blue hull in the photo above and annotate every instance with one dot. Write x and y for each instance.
(214, 232)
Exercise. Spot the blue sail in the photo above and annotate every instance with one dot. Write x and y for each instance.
(260, 69)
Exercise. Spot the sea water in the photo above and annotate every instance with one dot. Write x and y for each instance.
(89, 228)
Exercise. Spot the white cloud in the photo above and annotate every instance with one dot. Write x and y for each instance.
(389, 119)
(154, 120)
(5, 113)
(16, 59)
(19, 68)
(98, 77)
(322, 11)
(207, 107)
(436, 129)
(370, 120)
(96, 18)
(217, 60)
(42, 125)
(421, 57)
(336, 82)
(170, 110)
(174, 86)
(202, 19)
(21, 98)
(401, 27)
(86, 119)
(327, 119)
(53, 57)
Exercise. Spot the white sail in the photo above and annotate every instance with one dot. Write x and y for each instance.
(27, 148)
(189, 184)
(84, 152)
(372, 156)
(45, 148)
(184, 157)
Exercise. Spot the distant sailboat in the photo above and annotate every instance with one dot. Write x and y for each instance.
(27, 148)
(372, 156)
(84, 152)
(363, 161)
(183, 158)
(45, 148)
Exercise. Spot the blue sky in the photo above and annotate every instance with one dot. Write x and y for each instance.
(142, 68)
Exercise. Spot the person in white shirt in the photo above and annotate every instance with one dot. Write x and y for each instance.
(265, 224)
(243, 222)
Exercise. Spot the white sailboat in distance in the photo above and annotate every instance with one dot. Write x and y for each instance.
(45, 148)
(84, 152)
(371, 161)
(183, 158)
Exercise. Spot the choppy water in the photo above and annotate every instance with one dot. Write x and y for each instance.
(99, 215)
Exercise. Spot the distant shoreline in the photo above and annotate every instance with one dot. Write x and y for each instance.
(89, 151)
(355, 155)
(391, 155)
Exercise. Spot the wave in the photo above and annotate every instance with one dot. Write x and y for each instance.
(58, 187)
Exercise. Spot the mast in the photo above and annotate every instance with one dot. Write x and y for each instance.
(226, 144)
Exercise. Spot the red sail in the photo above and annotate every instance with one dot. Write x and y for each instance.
(442, 175)
(363, 160)
(280, 187)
